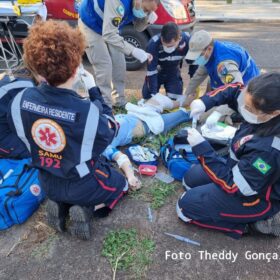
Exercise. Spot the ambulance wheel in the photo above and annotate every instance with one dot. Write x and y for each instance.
(138, 40)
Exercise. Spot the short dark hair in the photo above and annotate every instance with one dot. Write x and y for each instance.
(170, 31)
(265, 91)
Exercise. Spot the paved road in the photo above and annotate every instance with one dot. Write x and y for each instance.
(261, 40)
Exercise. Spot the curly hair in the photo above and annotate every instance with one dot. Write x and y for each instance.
(53, 50)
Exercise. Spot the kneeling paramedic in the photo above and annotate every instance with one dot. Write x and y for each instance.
(240, 192)
(64, 132)
(168, 50)
(11, 146)
(223, 62)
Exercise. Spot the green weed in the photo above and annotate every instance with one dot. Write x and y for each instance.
(125, 250)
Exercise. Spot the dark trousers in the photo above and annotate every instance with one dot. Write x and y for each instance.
(210, 207)
(171, 80)
(103, 185)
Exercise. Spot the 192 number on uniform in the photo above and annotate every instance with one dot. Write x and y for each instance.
(50, 162)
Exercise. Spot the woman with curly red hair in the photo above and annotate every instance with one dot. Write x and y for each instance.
(64, 132)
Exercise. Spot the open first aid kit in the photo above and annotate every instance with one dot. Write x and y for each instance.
(140, 155)
(220, 132)
(20, 192)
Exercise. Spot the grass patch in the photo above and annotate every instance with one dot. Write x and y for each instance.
(119, 110)
(156, 193)
(160, 192)
(125, 250)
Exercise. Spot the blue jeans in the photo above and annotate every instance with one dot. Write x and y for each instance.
(173, 119)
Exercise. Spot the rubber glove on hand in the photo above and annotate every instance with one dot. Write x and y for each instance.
(194, 137)
(152, 18)
(182, 100)
(213, 119)
(87, 78)
(140, 54)
(197, 108)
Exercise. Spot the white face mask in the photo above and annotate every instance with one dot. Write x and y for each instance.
(247, 115)
(169, 49)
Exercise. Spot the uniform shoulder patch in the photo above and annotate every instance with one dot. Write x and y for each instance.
(242, 141)
(182, 46)
(120, 10)
(116, 21)
(262, 166)
(222, 70)
(228, 79)
(155, 38)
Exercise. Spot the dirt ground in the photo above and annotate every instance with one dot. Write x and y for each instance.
(34, 251)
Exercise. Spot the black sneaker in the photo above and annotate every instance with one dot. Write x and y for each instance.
(56, 214)
(269, 226)
(79, 224)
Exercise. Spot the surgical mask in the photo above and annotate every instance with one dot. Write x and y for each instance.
(247, 115)
(139, 13)
(201, 60)
(169, 49)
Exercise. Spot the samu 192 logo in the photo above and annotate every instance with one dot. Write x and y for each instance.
(48, 135)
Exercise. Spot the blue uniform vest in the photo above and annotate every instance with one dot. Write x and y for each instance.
(92, 13)
(230, 51)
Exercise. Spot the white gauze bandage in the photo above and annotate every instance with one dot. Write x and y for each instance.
(122, 159)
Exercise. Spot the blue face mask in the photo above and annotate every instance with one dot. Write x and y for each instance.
(139, 13)
(201, 61)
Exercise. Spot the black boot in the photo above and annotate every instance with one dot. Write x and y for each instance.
(56, 214)
(270, 226)
(79, 224)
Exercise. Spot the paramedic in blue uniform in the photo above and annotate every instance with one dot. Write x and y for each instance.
(101, 21)
(11, 83)
(11, 145)
(64, 132)
(223, 62)
(168, 50)
(242, 191)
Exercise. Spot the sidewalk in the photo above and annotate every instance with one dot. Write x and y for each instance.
(237, 12)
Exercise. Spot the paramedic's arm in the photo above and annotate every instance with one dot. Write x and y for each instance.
(246, 178)
(229, 73)
(141, 24)
(224, 95)
(198, 78)
(94, 95)
(110, 31)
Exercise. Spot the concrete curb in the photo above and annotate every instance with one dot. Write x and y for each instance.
(237, 19)
(214, 11)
